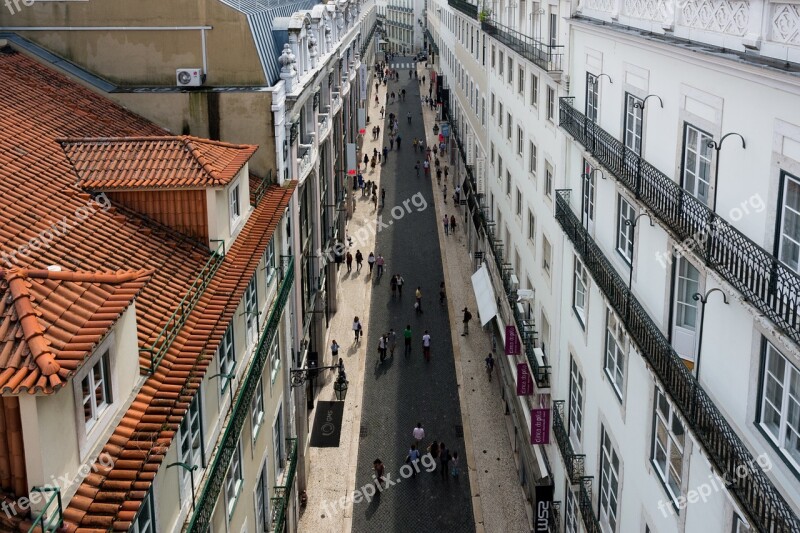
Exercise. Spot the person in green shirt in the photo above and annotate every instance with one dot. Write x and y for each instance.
(407, 337)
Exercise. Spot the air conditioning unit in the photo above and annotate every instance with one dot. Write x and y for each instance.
(190, 77)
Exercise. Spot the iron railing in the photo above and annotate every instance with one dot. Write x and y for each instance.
(368, 39)
(546, 56)
(431, 42)
(585, 505)
(215, 478)
(574, 463)
(470, 10)
(554, 521)
(280, 502)
(769, 285)
(755, 492)
(56, 519)
(261, 190)
(158, 349)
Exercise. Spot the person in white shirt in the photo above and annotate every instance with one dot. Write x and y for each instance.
(419, 434)
(426, 345)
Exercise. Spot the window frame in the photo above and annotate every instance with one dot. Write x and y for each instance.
(625, 232)
(534, 90)
(533, 158)
(274, 360)
(547, 251)
(577, 398)
(548, 180)
(699, 158)
(97, 411)
(278, 444)
(779, 441)
(551, 104)
(520, 141)
(592, 104)
(195, 438)
(531, 227)
(667, 421)
(257, 402)
(262, 519)
(608, 487)
(270, 266)
(148, 506)
(519, 202)
(580, 291)
(226, 357)
(634, 123)
(521, 81)
(236, 483)
(780, 236)
(234, 204)
(615, 362)
(251, 322)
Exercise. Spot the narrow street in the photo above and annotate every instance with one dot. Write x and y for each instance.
(404, 390)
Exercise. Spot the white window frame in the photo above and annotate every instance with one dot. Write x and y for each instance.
(270, 268)
(779, 378)
(608, 499)
(509, 126)
(533, 159)
(576, 400)
(669, 440)
(510, 71)
(508, 183)
(616, 353)
(89, 435)
(580, 291)
(500, 113)
(592, 108)
(251, 311)
(226, 356)
(625, 235)
(234, 480)
(534, 90)
(694, 177)
(257, 409)
(789, 245)
(546, 255)
(570, 511)
(548, 180)
(145, 521)
(634, 119)
(551, 104)
(261, 492)
(520, 142)
(234, 204)
(531, 227)
(190, 432)
(97, 409)
(519, 204)
(521, 81)
(274, 360)
(278, 444)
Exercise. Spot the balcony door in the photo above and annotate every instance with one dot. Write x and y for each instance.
(686, 311)
(592, 97)
(696, 174)
(589, 186)
(633, 123)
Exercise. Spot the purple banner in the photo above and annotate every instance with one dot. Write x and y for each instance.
(524, 380)
(540, 426)
(512, 341)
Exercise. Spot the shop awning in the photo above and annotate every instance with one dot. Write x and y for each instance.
(484, 295)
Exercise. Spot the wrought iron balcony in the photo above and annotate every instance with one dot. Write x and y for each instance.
(585, 504)
(431, 42)
(215, 477)
(283, 492)
(755, 492)
(470, 10)
(548, 57)
(50, 518)
(573, 462)
(769, 285)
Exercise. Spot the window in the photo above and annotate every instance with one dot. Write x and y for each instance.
(483, 111)
(575, 400)
(502, 60)
(696, 163)
(499, 168)
(96, 391)
(551, 104)
(633, 123)
(592, 97)
(668, 441)
(789, 232)
(519, 203)
(508, 126)
(277, 444)
(548, 180)
(269, 262)
(739, 525)
(546, 255)
(616, 348)
(234, 204)
(533, 160)
(190, 438)
(531, 227)
(534, 90)
(609, 482)
(262, 501)
(553, 29)
(780, 403)
(521, 82)
(579, 295)
(491, 152)
(491, 109)
(251, 311)
(233, 479)
(145, 521)
(625, 231)
(274, 360)
(685, 306)
(257, 408)
(500, 114)
(227, 357)
(508, 183)
(588, 194)
(510, 70)
(570, 512)
(493, 64)
(520, 142)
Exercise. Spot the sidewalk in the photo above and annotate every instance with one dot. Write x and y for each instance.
(498, 500)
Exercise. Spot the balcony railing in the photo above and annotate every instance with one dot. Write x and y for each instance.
(754, 492)
(215, 477)
(574, 463)
(590, 521)
(431, 42)
(53, 508)
(175, 322)
(769, 285)
(470, 10)
(547, 56)
(280, 502)
(261, 190)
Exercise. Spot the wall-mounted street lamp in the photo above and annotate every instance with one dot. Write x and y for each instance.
(703, 299)
(640, 105)
(228, 384)
(191, 469)
(717, 146)
(632, 223)
(596, 79)
(300, 375)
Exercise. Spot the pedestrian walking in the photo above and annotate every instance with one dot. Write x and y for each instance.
(427, 167)
(382, 347)
(376, 97)
(335, 350)
(371, 262)
(433, 450)
(377, 465)
(418, 303)
(407, 339)
(444, 459)
(399, 140)
(409, 117)
(489, 361)
(426, 346)
(412, 458)
(383, 196)
(379, 262)
(454, 465)
(414, 143)
(419, 434)
(391, 143)
(359, 259)
(374, 200)
(366, 161)
(382, 113)
(446, 223)
(442, 294)
(439, 176)
(393, 285)
(446, 172)
(444, 193)
(349, 261)
(378, 131)
(457, 194)
(392, 337)
(385, 153)
(358, 329)
(372, 163)
(416, 168)
(453, 224)
(466, 319)
(400, 282)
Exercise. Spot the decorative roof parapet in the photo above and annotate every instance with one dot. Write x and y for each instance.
(288, 72)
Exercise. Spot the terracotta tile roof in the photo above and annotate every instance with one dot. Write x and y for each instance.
(51, 321)
(145, 433)
(166, 162)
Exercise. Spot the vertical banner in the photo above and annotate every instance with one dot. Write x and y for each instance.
(362, 75)
(512, 341)
(480, 171)
(524, 380)
(540, 426)
(362, 119)
(470, 149)
(543, 506)
(350, 154)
